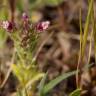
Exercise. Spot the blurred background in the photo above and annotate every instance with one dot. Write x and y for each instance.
(60, 47)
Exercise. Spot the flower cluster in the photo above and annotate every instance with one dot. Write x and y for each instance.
(40, 27)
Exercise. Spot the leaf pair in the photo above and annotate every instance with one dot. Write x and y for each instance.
(45, 88)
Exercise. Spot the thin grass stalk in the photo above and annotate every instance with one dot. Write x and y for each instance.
(95, 43)
(90, 46)
(87, 27)
(94, 35)
(94, 32)
(83, 39)
(81, 36)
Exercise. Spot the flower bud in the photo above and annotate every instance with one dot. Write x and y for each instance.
(25, 17)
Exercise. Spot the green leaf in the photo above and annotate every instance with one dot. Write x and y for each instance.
(53, 2)
(76, 92)
(18, 72)
(41, 85)
(21, 92)
(34, 79)
(56, 81)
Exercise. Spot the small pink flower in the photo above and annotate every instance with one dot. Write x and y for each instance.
(42, 25)
(25, 16)
(7, 25)
(45, 24)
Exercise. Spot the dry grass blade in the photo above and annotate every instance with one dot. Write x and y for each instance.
(9, 71)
